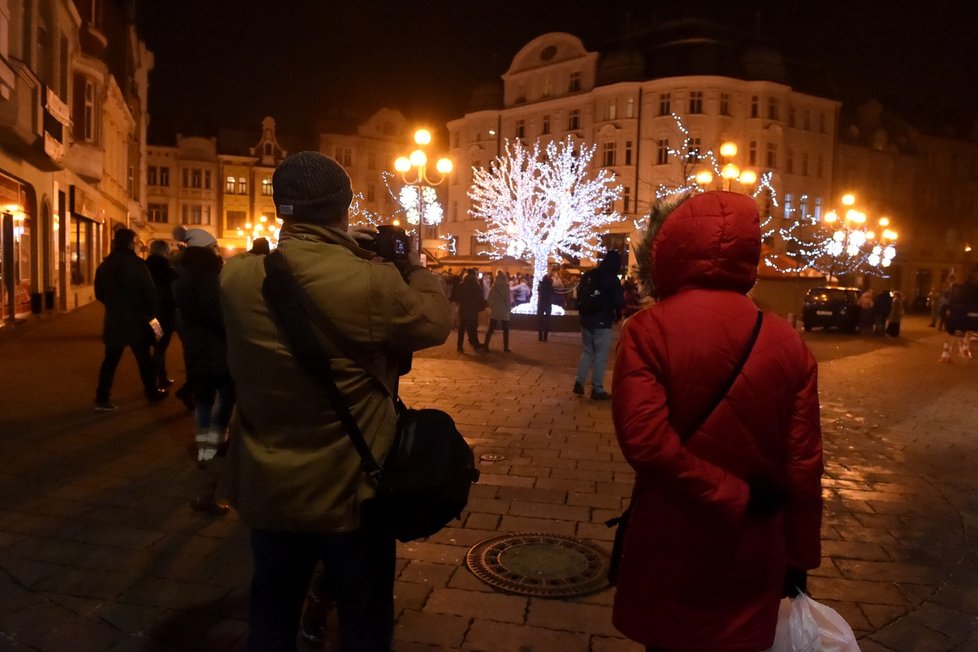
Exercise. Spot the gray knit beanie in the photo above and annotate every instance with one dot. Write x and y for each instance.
(310, 187)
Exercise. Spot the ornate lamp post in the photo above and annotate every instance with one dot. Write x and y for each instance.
(853, 244)
(418, 194)
(729, 171)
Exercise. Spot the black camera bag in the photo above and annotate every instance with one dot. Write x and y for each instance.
(425, 480)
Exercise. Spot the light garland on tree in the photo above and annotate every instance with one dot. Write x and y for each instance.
(544, 203)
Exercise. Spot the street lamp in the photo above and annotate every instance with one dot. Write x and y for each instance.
(727, 170)
(854, 243)
(418, 194)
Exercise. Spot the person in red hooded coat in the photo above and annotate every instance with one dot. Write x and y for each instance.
(725, 519)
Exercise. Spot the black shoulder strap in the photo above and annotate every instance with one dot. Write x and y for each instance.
(733, 376)
(285, 297)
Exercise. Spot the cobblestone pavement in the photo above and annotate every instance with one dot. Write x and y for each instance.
(99, 550)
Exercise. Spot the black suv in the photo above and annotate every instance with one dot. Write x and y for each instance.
(830, 307)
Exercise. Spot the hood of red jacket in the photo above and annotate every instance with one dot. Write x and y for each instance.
(712, 240)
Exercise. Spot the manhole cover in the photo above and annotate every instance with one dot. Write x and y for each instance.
(492, 457)
(542, 565)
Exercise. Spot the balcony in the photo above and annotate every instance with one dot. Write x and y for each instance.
(87, 160)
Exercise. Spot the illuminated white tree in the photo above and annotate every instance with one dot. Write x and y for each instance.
(543, 203)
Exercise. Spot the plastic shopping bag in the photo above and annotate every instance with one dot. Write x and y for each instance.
(805, 625)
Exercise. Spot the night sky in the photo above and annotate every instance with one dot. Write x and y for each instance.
(231, 62)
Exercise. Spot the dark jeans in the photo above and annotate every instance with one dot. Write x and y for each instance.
(543, 319)
(113, 354)
(207, 389)
(159, 356)
(504, 323)
(468, 325)
(358, 568)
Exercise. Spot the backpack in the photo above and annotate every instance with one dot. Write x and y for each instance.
(590, 300)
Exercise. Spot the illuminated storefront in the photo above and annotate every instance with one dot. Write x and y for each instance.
(16, 228)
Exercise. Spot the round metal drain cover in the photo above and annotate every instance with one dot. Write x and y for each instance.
(542, 565)
(492, 457)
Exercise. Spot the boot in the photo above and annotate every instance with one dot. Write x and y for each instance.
(505, 341)
(485, 347)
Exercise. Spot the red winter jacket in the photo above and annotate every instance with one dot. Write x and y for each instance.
(698, 572)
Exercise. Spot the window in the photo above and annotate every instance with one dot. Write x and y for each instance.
(89, 113)
(662, 151)
(268, 149)
(229, 185)
(724, 103)
(803, 207)
(694, 149)
(754, 106)
(791, 116)
(371, 160)
(818, 209)
(164, 176)
(804, 164)
(186, 177)
(266, 186)
(454, 214)
(806, 117)
(236, 220)
(371, 192)
(821, 124)
(194, 214)
(819, 166)
(789, 163)
(344, 156)
(455, 138)
(772, 155)
(628, 152)
(548, 86)
(207, 179)
(521, 129)
(752, 152)
(196, 178)
(574, 119)
(630, 107)
(626, 199)
(611, 110)
(773, 106)
(695, 102)
(545, 129)
(130, 180)
(787, 204)
(151, 175)
(609, 152)
(159, 213)
(664, 104)
(575, 81)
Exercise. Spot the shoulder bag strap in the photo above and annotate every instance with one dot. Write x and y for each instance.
(731, 379)
(283, 294)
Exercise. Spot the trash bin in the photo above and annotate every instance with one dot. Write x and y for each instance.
(36, 302)
(49, 299)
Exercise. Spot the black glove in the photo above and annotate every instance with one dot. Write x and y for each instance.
(765, 497)
(795, 582)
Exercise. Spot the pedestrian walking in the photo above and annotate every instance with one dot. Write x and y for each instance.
(468, 296)
(545, 301)
(124, 285)
(197, 295)
(293, 473)
(499, 309)
(163, 275)
(866, 316)
(934, 303)
(896, 315)
(724, 437)
(599, 301)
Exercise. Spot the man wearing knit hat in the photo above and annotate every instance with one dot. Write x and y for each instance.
(294, 475)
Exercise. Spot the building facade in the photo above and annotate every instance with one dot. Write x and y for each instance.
(73, 91)
(633, 104)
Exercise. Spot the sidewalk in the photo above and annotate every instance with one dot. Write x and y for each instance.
(99, 551)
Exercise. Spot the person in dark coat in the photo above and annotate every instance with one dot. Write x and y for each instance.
(197, 295)
(882, 304)
(596, 325)
(468, 295)
(163, 275)
(727, 504)
(123, 283)
(545, 300)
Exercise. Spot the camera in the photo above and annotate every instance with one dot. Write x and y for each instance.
(391, 243)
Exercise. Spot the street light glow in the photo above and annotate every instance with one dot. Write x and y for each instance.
(730, 172)
(728, 149)
(402, 164)
(704, 177)
(748, 177)
(418, 158)
(444, 165)
(422, 137)
(848, 199)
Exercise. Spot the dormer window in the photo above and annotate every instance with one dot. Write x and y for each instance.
(268, 149)
(548, 52)
(575, 81)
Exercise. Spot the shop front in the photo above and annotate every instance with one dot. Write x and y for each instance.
(82, 240)
(17, 215)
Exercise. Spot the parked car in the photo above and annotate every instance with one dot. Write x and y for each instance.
(831, 307)
(962, 314)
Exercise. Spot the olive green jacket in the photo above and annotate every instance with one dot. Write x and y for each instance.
(291, 466)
